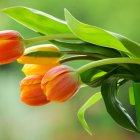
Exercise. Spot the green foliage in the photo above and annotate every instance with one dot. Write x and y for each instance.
(131, 96)
(88, 47)
(91, 101)
(93, 34)
(101, 37)
(109, 91)
(130, 45)
(37, 20)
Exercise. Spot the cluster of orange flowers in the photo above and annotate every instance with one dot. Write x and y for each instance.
(46, 79)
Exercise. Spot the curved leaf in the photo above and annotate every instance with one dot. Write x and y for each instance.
(132, 46)
(93, 34)
(37, 20)
(87, 47)
(109, 90)
(91, 101)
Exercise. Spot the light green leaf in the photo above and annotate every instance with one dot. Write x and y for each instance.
(132, 46)
(37, 20)
(131, 96)
(96, 97)
(93, 34)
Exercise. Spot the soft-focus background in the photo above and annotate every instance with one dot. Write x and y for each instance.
(59, 121)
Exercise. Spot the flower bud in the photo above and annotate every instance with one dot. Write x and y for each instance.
(31, 92)
(11, 46)
(44, 54)
(34, 69)
(60, 83)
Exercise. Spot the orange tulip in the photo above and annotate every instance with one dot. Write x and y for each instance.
(33, 69)
(11, 46)
(60, 83)
(31, 92)
(44, 54)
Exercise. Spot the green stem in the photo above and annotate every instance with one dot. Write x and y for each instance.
(49, 37)
(136, 87)
(107, 62)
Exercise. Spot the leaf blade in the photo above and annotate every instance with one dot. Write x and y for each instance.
(37, 20)
(113, 106)
(86, 33)
(92, 100)
(132, 46)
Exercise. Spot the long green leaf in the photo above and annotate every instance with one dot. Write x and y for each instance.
(114, 107)
(88, 47)
(93, 34)
(46, 24)
(95, 98)
(132, 46)
(37, 20)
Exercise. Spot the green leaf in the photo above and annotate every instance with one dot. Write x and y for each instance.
(44, 23)
(93, 34)
(37, 20)
(43, 54)
(109, 91)
(132, 46)
(131, 96)
(87, 47)
(95, 98)
(87, 77)
(90, 78)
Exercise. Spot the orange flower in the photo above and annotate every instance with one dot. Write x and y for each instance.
(60, 83)
(11, 46)
(44, 54)
(33, 69)
(31, 92)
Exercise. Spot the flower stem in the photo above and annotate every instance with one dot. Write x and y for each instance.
(107, 62)
(49, 37)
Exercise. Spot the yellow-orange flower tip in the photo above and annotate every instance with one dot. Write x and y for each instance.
(34, 69)
(11, 46)
(31, 92)
(60, 83)
(43, 54)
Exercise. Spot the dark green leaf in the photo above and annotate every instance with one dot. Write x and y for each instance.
(89, 76)
(109, 91)
(87, 47)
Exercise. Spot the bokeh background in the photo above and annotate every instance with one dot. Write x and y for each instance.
(59, 121)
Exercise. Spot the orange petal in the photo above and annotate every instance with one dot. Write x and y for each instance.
(32, 69)
(31, 92)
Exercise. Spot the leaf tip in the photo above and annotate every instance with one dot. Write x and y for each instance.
(81, 118)
(65, 10)
(6, 10)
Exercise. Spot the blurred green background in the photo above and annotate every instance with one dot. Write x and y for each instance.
(59, 121)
